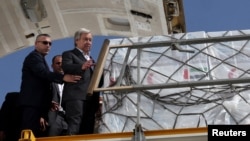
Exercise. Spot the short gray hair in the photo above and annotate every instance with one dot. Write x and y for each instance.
(79, 32)
(40, 35)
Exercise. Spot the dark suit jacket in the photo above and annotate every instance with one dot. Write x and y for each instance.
(72, 64)
(55, 97)
(55, 93)
(10, 116)
(36, 82)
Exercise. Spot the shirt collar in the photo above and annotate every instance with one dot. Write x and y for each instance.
(84, 53)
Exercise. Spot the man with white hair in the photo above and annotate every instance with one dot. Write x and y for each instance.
(79, 107)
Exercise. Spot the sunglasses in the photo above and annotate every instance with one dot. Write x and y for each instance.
(45, 42)
(58, 63)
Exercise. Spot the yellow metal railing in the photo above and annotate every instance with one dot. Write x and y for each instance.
(27, 135)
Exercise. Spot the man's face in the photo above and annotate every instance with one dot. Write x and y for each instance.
(57, 65)
(85, 42)
(43, 45)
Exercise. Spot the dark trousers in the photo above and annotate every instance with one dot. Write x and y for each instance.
(80, 115)
(30, 119)
(91, 107)
(74, 115)
(88, 124)
(57, 124)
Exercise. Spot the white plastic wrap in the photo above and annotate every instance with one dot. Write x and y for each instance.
(183, 107)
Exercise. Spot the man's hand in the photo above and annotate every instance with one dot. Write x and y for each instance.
(87, 64)
(54, 106)
(71, 78)
(43, 124)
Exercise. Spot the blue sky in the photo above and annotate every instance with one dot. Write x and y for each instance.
(216, 15)
(200, 15)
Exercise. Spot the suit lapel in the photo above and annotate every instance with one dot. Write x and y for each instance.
(79, 54)
(56, 87)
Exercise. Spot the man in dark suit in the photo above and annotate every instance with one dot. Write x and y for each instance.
(9, 118)
(35, 92)
(80, 108)
(56, 116)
